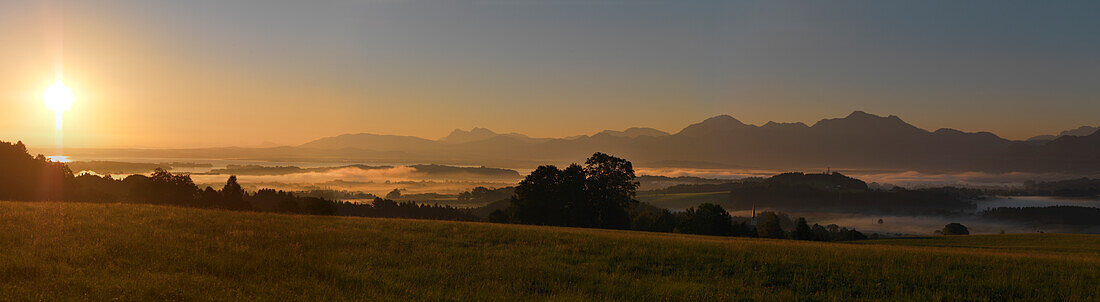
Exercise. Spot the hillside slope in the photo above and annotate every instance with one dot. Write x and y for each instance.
(67, 251)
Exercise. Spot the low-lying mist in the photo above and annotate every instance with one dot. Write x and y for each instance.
(907, 179)
(451, 180)
(376, 181)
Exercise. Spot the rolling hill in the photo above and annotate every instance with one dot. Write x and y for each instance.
(75, 251)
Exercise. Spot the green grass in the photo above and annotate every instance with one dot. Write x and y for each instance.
(681, 201)
(72, 251)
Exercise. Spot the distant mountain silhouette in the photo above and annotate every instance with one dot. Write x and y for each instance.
(1080, 131)
(715, 125)
(461, 136)
(859, 140)
(634, 132)
(1066, 154)
(860, 123)
(476, 134)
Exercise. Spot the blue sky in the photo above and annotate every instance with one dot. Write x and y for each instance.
(557, 68)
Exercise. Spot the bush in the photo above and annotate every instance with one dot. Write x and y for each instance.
(955, 228)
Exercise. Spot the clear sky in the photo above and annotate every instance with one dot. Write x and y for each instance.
(218, 73)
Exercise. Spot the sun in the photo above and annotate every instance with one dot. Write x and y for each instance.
(59, 98)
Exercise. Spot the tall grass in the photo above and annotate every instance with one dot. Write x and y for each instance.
(64, 251)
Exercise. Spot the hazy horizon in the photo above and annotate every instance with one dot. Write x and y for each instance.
(498, 131)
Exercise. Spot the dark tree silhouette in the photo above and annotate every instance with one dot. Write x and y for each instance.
(233, 195)
(288, 205)
(1066, 215)
(551, 196)
(394, 195)
(610, 189)
(707, 219)
(802, 231)
(769, 226)
(645, 217)
(600, 195)
(317, 206)
(955, 228)
(95, 188)
(23, 177)
(820, 233)
(209, 198)
(389, 208)
(167, 188)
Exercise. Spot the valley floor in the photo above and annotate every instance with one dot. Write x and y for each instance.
(66, 251)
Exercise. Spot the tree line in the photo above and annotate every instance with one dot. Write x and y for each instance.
(1051, 215)
(388, 208)
(1080, 187)
(600, 194)
(27, 178)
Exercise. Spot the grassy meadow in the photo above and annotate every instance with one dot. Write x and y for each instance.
(75, 251)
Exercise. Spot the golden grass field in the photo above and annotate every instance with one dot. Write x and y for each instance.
(76, 251)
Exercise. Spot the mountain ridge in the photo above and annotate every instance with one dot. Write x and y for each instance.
(859, 140)
(721, 122)
(1079, 131)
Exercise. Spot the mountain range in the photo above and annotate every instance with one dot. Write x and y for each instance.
(1080, 131)
(859, 140)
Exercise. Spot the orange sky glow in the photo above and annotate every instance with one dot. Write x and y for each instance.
(140, 82)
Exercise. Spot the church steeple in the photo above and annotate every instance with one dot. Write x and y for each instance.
(754, 212)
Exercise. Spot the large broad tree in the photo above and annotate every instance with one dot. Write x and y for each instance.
(167, 188)
(550, 196)
(599, 194)
(955, 228)
(611, 189)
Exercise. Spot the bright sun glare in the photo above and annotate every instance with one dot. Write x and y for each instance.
(59, 98)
